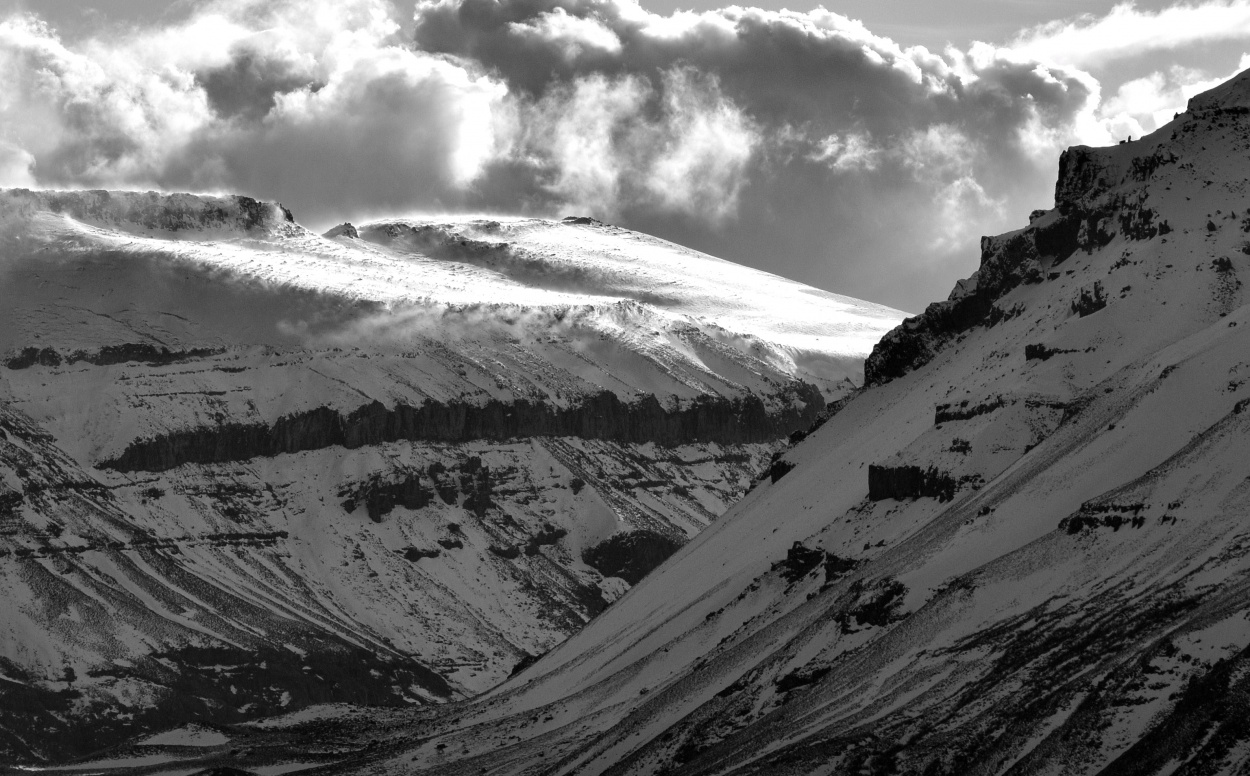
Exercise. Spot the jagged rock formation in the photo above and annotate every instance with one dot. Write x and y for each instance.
(344, 229)
(631, 556)
(1099, 196)
(1077, 606)
(144, 353)
(720, 420)
(132, 211)
(245, 469)
(898, 482)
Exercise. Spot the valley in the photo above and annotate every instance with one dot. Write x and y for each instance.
(1021, 549)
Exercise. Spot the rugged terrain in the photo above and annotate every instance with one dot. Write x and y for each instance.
(1023, 549)
(246, 468)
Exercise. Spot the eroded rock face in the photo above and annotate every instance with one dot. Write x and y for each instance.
(901, 482)
(1098, 197)
(344, 229)
(151, 210)
(1006, 262)
(603, 416)
(632, 555)
(140, 352)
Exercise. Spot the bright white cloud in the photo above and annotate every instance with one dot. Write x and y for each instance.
(1127, 31)
(240, 91)
(703, 146)
(1144, 104)
(848, 152)
(585, 131)
(574, 36)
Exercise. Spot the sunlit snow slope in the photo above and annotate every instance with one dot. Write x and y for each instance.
(245, 468)
(1024, 549)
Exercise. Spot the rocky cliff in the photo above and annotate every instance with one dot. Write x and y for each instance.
(151, 211)
(706, 419)
(1100, 195)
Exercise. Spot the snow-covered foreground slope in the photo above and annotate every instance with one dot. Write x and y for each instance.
(1024, 549)
(245, 468)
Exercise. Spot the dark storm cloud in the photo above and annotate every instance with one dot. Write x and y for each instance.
(799, 143)
(247, 86)
(856, 159)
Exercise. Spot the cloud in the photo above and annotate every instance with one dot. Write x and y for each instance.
(792, 139)
(800, 143)
(319, 103)
(1127, 31)
(1141, 105)
(613, 145)
(847, 152)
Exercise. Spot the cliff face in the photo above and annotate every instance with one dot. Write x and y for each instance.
(1100, 195)
(900, 482)
(152, 211)
(719, 420)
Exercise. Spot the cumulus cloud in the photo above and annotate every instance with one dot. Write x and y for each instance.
(319, 103)
(800, 143)
(1141, 105)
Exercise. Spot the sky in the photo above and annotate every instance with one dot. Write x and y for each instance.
(862, 147)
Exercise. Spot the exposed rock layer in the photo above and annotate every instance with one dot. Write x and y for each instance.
(603, 416)
(909, 482)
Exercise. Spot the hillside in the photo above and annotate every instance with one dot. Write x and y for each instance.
(246, 468)
(1022, 549)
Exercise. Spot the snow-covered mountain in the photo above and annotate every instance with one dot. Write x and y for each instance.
(245, 468)
(1024, 549)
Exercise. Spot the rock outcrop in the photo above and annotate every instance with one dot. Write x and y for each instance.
(1099, 196)
(706, 419)
(130, 210)
(901, 482)
(1007, 261)
(632, 555)
(344, 229)
(144, 353)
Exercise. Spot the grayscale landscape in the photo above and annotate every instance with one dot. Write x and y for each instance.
(548, 443)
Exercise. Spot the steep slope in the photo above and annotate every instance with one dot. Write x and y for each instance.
(245, 468)
(1022, 550)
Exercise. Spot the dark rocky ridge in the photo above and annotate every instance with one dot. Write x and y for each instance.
(109, 354)
(151, 210)
(1086, 217)
(600, 416)
(631, 556)
(899, 482)
(1006, 262)
(264, 681)
(345, 229)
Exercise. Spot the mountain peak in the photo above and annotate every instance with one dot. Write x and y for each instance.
(1230, 95)
(345, 229)
(1178, 187)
